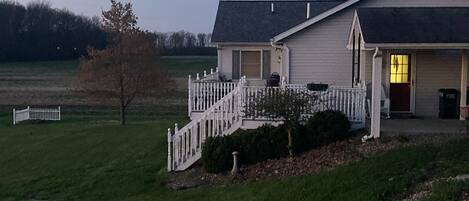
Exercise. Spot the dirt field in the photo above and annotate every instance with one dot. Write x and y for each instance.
(56, 83)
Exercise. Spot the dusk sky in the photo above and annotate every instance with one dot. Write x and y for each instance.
(154, 15)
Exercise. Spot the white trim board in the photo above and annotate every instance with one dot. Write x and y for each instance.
(314, 20)
(456, 46)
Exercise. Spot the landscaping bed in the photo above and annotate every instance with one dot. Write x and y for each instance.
(323, 158)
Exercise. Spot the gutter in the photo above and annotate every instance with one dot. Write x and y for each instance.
(285, 57)
(371, 136)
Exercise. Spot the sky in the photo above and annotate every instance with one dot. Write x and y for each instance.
(197, 16)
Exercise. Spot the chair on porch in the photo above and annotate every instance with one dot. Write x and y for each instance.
(385, 102)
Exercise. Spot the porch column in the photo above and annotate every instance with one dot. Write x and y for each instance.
(363, 63)
(376, 93)
(464, 80)
(219, 58)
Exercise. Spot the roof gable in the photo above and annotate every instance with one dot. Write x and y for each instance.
(253, 21)
(315, 19)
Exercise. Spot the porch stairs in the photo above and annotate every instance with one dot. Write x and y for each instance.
(223, 118)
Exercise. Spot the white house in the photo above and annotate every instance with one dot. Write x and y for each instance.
(405, 50)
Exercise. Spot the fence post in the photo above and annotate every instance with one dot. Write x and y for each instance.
(170, 160)
(189, 103)
(283, 83)
(60, 118)
(29, 113)
(14, 116)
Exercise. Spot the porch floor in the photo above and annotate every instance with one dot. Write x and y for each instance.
(409, 127)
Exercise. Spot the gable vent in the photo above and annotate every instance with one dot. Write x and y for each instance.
(308, 10)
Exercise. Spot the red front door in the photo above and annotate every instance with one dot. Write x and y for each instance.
(400, 83)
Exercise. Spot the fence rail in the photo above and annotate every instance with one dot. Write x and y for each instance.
(207, 90)
(44, 114)
(220, 119)
(221, 105)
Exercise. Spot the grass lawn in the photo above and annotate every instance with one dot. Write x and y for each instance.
(89, 157)
(178, 65)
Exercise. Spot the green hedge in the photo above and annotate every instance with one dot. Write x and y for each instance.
(268, 142)
(328, 127)
(253, 146)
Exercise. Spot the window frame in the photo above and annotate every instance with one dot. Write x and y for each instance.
(409, 68)
(260, 66)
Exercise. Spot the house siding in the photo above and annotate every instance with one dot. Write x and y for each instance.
(318, 53)
(435, 70)
(225, 57)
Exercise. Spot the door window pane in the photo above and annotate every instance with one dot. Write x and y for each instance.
(251, 64)
(400, 69)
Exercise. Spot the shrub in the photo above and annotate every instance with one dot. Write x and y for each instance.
(254, 146)
(217, 153)
(327, 127)
(268, 142)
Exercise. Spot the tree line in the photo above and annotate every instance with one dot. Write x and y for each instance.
(184, 43)
(38, 32)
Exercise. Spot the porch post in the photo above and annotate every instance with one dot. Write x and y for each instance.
(464, 80)
(376, 94)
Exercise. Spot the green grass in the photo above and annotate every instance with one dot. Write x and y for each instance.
(183, 65)
(177, 65)
(448, 191)
(91, 157)
(70, 65)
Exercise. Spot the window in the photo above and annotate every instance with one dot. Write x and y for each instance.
(251, 64)
(400, 69)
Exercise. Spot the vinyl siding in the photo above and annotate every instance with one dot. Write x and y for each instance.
(318, 53)
(435, 70)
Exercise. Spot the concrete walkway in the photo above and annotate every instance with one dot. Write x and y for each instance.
(409, 127)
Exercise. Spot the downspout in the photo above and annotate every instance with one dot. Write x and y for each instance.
(285, 57)
(371, 136)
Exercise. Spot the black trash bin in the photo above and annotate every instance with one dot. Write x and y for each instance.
(274, 80)
(448, 104)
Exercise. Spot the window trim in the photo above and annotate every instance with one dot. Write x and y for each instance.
(261, 63)
(409, 68)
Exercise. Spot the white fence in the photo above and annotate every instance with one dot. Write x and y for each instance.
(221, 119)
(203, 94)
(350, 101)
(220, 105)
(36, 114)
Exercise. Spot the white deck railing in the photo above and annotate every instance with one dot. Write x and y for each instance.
(206, 90)
(350, 101)
(220, 119)
(220, 104)
(36, 114)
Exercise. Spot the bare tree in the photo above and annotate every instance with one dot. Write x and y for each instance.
(201, 39)
(126, 69)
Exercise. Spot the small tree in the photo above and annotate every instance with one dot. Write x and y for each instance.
(284, 105)
(127, 68)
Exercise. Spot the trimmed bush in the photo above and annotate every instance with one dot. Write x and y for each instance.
(266, 142)
(328, 127)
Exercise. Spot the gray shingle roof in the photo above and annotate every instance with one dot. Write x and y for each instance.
(253, 21)
(414, 25)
